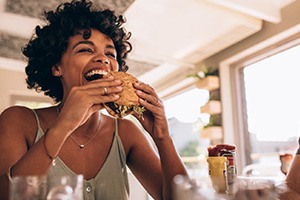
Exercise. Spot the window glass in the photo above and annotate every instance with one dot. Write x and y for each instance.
(272, 92)
(185, 121)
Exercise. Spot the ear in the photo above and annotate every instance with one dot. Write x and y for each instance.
(56, 70)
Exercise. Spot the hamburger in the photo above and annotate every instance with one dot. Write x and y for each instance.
(128, 101)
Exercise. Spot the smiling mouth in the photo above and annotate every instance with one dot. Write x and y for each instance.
(95, 74)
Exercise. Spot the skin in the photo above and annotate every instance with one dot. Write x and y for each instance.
(82, 120)
(290, 190)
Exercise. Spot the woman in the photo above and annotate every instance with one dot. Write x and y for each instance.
(74, 136)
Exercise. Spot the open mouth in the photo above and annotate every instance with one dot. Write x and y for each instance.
(95, 74)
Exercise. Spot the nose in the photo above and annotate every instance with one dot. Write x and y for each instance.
(101, 59)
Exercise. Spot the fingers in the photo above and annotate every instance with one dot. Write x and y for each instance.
(101, 91)
(97, 92)
(155, 100)
(99, 99)
(146, 92)
(149, 99)
(102, 87)
(105, 90)
(144, 87)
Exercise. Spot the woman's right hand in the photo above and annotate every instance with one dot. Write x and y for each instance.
(83, 101)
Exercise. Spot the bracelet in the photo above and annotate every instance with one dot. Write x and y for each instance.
(46, 150)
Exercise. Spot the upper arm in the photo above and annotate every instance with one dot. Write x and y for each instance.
(13, 143)
(142, 159)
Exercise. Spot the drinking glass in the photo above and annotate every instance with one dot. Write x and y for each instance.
(65, 187)
(255, 189)
(195, 189)
(28, 188)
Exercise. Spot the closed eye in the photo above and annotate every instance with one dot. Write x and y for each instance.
(89, 50)
(112, 55)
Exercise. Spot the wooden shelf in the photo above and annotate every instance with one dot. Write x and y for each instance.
(212, 107)
(212, 132)
(209, 83)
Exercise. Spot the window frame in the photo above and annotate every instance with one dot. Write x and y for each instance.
(234, 114)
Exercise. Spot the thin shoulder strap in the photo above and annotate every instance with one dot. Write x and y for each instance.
(39, 132)
(37, 119)
(116, 127)
(118, 140)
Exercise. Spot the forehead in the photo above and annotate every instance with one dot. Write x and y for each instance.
(96, 36)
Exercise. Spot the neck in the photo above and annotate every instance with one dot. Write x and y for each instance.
(90, 126)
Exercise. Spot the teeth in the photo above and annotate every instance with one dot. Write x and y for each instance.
(95, 71)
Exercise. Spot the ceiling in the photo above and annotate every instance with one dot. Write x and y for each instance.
(169, 37)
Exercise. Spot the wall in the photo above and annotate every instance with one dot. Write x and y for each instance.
(13, 83)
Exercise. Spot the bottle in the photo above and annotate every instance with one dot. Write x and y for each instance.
(231, 171)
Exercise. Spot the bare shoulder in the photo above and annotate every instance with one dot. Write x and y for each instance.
(16, 131)
(131, 134)
(16, 118)
(128, 128)
(16, 112)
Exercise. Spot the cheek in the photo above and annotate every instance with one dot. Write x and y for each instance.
(114, 66)
(73, 67)
(79, 62)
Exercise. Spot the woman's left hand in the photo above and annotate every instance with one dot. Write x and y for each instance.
(154, 119)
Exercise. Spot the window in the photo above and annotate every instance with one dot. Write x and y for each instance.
(272, 100)
(269, 99)
(185, 121)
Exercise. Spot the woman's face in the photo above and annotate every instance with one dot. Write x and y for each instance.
(84, 57)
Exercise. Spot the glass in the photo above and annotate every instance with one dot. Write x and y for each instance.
(199, 188)
(192, 189)
(255, 188)
(65, 188)
(28, 188)
(276, 92)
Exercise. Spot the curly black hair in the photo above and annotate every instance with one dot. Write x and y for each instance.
(46, 47)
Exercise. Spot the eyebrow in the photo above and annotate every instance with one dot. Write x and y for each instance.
(83, 42)
(109, 46)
